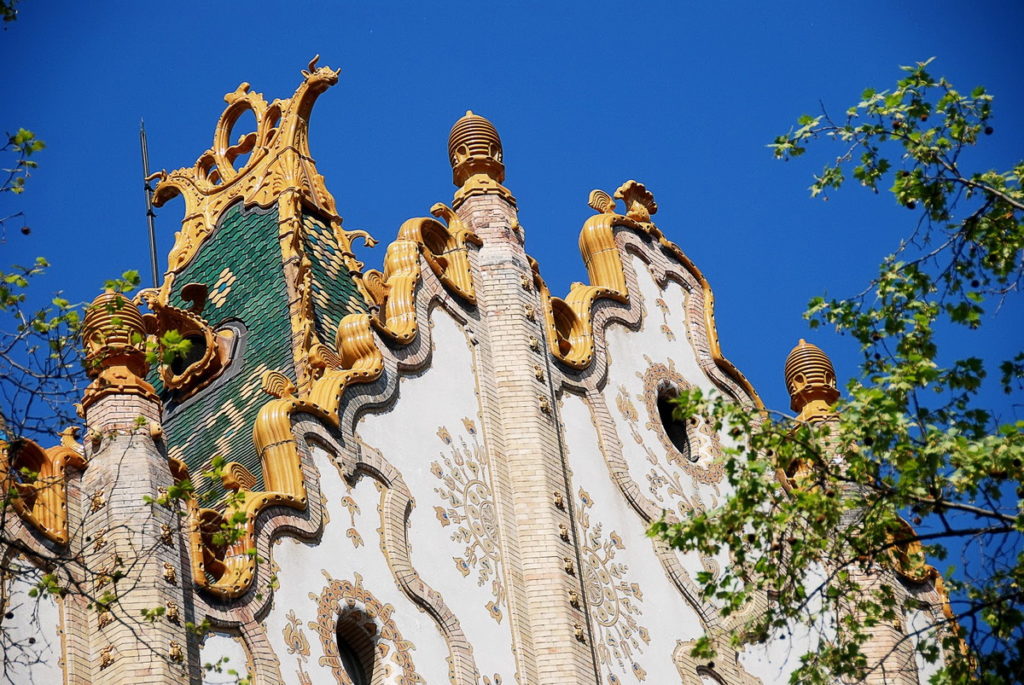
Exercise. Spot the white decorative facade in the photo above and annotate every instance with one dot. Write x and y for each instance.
(437, 472)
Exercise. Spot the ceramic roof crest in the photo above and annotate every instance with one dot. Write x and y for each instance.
(279, 161)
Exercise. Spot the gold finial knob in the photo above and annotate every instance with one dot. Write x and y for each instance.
(474, 147)
(810, 378)
(114, 335)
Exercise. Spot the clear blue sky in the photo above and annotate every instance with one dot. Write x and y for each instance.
(682, 96)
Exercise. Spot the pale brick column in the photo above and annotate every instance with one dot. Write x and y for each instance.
(890, 657)
(519, 411)
(131, 548)
(811, 381)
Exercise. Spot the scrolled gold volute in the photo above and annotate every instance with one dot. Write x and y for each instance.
(35, 482)
(210, 351)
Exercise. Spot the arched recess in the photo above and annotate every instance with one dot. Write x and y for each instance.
(357, 636)
(360, 640)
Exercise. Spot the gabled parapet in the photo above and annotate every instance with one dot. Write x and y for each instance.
(35, 480)
(307, 407)
(529, 346)
(280, 174)
(279, 163)
(570, 320)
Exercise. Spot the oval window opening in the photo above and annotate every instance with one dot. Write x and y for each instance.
(350, 662)
(674, 428)
(355, 647)
(195, 352)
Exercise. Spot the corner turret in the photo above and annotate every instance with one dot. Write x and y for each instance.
(131, 530)
(114, 336)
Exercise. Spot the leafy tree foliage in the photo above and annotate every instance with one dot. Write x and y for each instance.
(818, 507)
(40, 361)
(8, 11)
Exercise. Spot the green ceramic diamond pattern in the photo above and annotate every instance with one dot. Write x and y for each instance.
(241, 266)
(334, 291)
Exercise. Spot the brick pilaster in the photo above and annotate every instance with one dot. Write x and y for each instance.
(552, 640)
(131, 551)
(890, 657)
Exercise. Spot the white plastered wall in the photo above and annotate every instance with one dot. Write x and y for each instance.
(775, 659)
(433, 436)
(637, 614)
(223, 660)
(308, 572)
(640, 362)
(919, 625)
(31, 629)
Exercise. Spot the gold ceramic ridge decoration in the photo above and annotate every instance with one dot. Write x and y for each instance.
(811, 382)
(279, 163)
(477, 159)
(445, 248)
(188, 323)
(280, 170)
(43, 502)
(570, 321)
(357, 360)
(114, 334)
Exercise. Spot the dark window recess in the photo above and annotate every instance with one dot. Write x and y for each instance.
(352, 665)
(355, 648)
(195, 352)
(674, 428)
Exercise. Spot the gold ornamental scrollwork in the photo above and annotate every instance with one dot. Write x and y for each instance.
(36, 479)
(279, 161)
(570, 320)
(278, 170)
(212, 348)
(227, 570)
(445, 248)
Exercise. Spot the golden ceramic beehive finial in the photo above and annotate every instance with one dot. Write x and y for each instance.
(811, 381)
(474, 147)
(114, 334)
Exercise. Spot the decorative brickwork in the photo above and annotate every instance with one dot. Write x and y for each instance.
(126, 532)
(549, 647)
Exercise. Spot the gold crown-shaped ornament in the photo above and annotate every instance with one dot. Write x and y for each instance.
(475, 153)
(811, 381)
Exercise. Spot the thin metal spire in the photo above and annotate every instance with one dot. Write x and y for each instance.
(149, 201)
